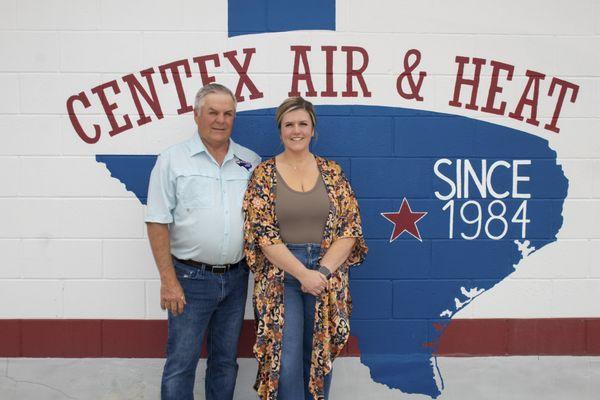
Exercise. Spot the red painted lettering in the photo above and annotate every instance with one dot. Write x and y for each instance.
(173, 67)
(495, 89)
(300, 54)
(81, 97)
(201, 61)
(242, 71)
(357, 73)
(136, 89)
(109, 107)
(461, 80)
(564, 86)
(329, 92)
(533, 81)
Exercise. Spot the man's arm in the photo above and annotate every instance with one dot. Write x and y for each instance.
(171, 293)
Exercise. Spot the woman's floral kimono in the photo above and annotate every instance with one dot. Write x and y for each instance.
(333, 307)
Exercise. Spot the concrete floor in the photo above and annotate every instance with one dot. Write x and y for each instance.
(488, 378)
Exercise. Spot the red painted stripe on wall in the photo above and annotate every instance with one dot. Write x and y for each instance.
(147, 338)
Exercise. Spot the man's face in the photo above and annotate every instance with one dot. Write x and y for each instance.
(215, 119)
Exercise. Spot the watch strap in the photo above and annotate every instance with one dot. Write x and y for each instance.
(325, 271)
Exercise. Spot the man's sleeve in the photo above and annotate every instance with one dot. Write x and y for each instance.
(161, 193)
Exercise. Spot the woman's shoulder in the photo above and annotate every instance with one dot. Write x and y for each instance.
(265, 167)
(329, 166)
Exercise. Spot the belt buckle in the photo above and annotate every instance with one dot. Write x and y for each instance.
(219, 269)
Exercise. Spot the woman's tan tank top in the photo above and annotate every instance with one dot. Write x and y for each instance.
(301, 215)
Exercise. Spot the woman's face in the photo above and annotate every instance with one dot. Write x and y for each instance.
(296, 130)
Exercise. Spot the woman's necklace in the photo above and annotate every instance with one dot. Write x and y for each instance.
(298, 165)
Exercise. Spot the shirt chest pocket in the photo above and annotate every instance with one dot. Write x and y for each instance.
(196, 191)
(236, 185)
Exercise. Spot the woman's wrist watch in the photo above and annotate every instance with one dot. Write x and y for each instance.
(325, 271)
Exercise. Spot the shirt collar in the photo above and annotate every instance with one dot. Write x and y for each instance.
(196, 147)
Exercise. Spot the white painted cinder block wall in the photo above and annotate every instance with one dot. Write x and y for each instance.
(58, 205)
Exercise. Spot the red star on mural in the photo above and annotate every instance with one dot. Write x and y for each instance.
(405, 220)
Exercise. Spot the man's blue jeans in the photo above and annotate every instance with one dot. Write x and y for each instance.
(299, 320)
(215, 306)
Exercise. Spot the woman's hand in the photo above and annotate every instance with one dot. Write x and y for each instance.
(313, 282)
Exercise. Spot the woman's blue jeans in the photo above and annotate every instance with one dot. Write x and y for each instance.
(299, 319)
(215, 307)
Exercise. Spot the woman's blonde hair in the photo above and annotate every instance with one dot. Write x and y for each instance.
(295, 103)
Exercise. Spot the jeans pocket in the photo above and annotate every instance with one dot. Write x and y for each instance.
(183, 271)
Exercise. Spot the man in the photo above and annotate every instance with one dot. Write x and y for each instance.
(195, 222)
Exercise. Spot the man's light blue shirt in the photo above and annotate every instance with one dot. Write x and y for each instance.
(200, 200)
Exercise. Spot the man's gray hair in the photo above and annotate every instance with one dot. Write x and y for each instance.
(209, 89)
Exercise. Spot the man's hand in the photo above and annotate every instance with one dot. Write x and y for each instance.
(172, 297)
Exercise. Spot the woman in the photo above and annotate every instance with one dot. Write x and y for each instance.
(302, 232)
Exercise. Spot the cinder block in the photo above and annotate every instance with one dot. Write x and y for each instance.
(10, 345)
(9, 97)
(596, 179)
(512, 298)
(440, 17)
(376, 177)
(257, 13)
(214, 15)
(592, 336)
(373, 136)
(35, 15)
(482, 337)
(61, 338)
(379, 306)
(127, 259)
(104, 299)
(68, 177)
(390, 337)
(48, 93)
(575, 297)
(9, 174)
(579, 173)
(106, 218)
(141, 15)
(560, 336)
(448, 259)
(153, 309)
(574, 57)
(31, 299)
(586, 105)
(146, 339)
(9, 248)
(580, 219)
(21, 135)
(400, 260)
(577, 138)
(164, 47)
(97, 52)
(597, 16)
(561, 259)
(67, 259)
(595, 266)
(29, 51)
(81, 15)
(8, 15)
(29, 218)
(426, 298)
(524, 52)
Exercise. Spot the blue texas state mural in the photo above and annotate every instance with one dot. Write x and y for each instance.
(450, 205)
